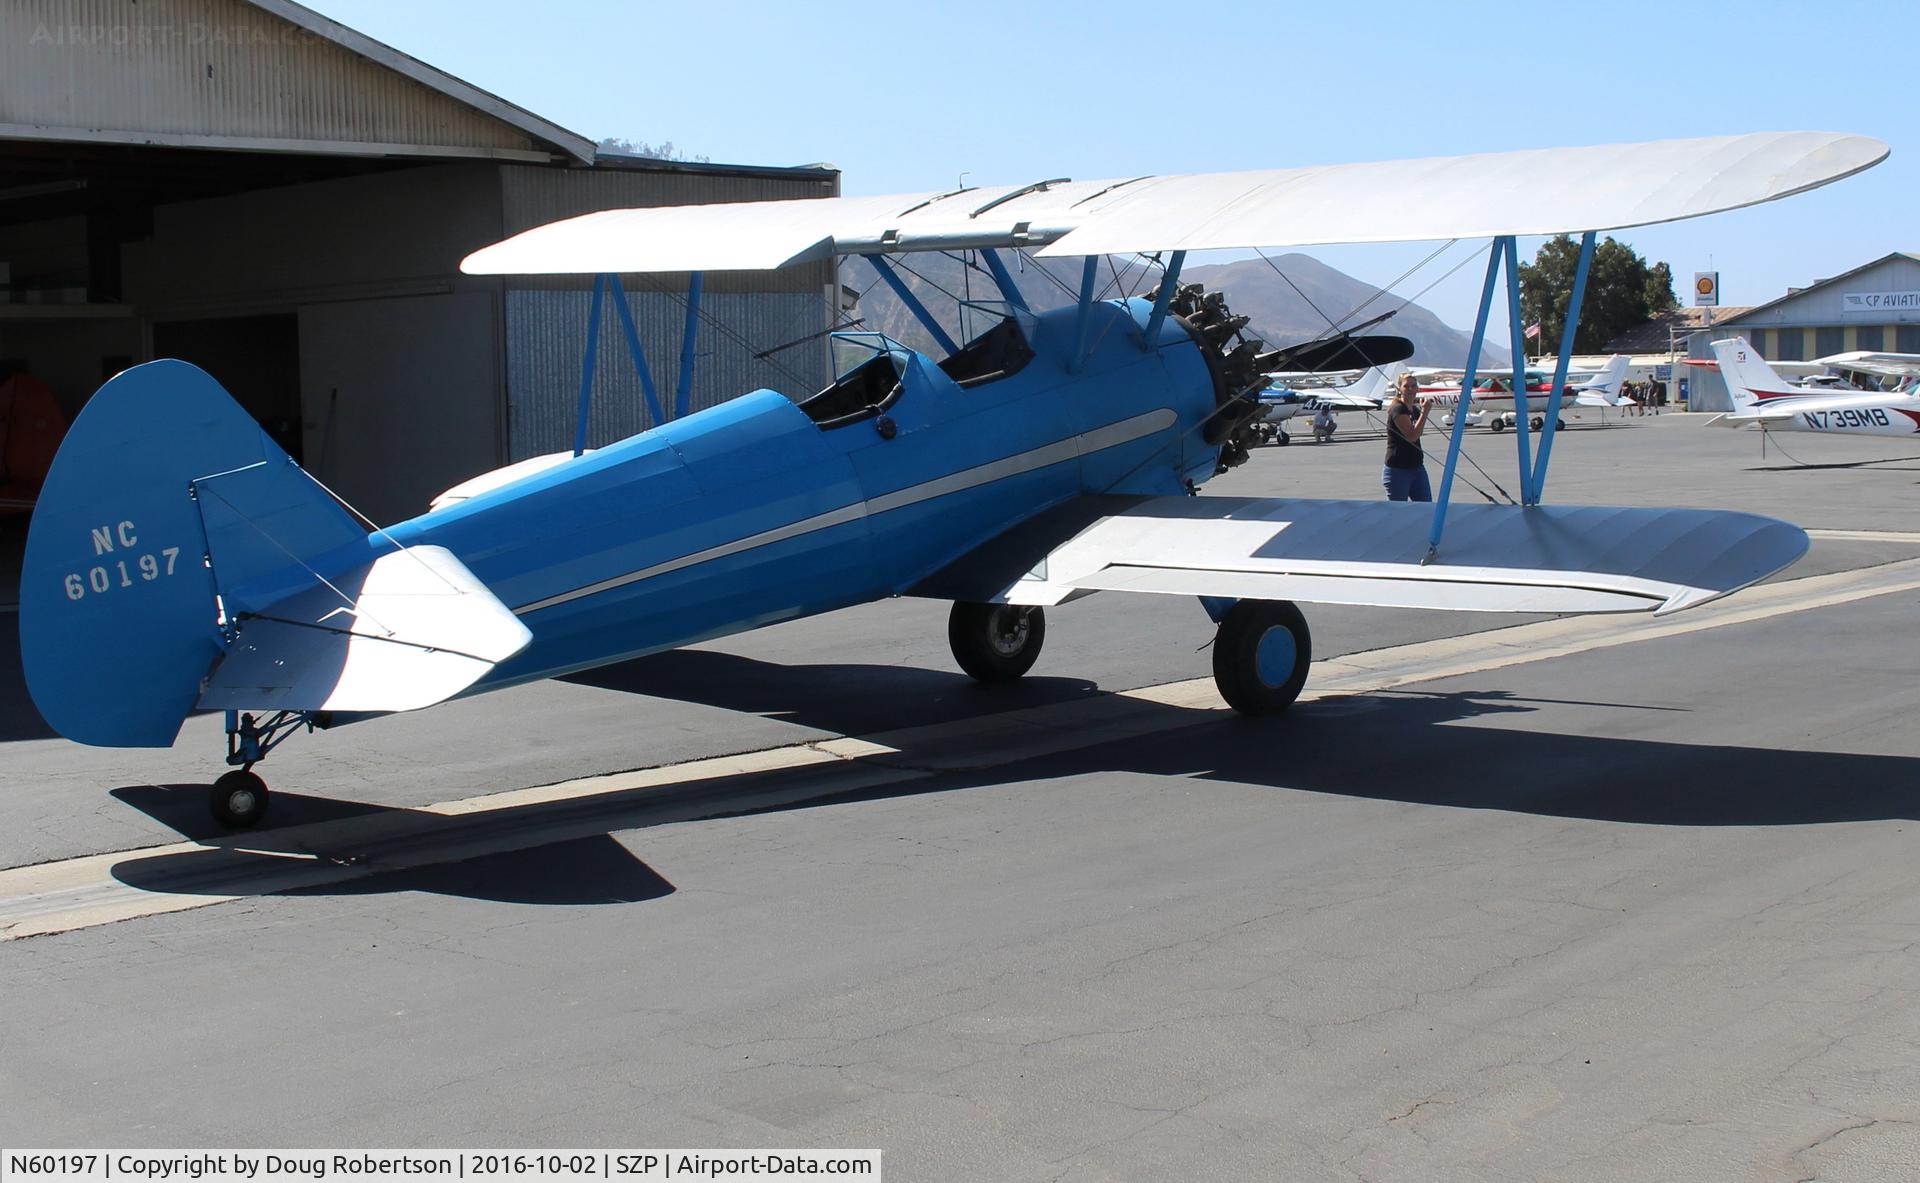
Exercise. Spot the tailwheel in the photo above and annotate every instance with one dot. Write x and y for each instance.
(1261, 655)
(996, 642)
(238, 799)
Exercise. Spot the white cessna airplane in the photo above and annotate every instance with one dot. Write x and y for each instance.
(1302, 392)
(1763, 398)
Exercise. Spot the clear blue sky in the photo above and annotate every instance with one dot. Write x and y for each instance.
(905, 96)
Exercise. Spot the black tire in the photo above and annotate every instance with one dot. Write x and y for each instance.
(996, 642)
(1282, 438)
(1259, 670)
(238, 800)
(1537, 422)
(1560, 424)
(1497, 424)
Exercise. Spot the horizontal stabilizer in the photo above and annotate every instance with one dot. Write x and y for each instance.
(405, 631)
(1492, 559)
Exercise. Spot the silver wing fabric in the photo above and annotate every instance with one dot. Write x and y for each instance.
(1494, 558)
(1541, 191)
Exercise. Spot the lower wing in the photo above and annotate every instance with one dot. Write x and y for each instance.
(1492, 559)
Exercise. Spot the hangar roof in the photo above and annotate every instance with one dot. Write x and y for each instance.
(1818, 284)
(246, 75)
(1656, 334)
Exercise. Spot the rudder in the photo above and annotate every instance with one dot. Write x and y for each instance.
(1750, 380)
(167, 509)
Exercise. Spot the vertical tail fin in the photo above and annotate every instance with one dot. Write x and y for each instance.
(179, 559)
(1376, 382)
(166, 509)
(1750, 380)
(1607, 382)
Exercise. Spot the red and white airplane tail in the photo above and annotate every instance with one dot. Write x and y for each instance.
(1751, 382)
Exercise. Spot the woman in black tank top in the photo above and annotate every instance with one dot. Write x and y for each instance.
(1405, 474)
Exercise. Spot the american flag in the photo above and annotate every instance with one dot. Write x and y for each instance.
(1533, 330)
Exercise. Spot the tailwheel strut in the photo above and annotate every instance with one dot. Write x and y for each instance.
(239, 798)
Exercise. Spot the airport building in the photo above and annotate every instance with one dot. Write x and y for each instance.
(250, 186)
(1875, 306)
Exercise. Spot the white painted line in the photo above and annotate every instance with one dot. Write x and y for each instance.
(103, 888)
(1865, 536)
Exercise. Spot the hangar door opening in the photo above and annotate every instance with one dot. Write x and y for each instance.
(400, 398)
(257, 358)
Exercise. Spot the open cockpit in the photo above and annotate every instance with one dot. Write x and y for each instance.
(872, 367)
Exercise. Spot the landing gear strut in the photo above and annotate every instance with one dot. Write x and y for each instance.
(1260, 656)
(239, 798)
(996, 642)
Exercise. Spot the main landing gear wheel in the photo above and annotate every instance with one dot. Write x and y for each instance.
(1261, 655)
(1497, 425)
(996, 642)
(239, 799)
(1282, 438)
(1537, 422)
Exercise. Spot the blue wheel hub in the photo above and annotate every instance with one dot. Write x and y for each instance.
(1274, 656)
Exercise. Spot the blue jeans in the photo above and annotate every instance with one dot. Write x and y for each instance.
(1406, 484)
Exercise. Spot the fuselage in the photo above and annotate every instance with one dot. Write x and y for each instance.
(1833, 414)
(752, 512)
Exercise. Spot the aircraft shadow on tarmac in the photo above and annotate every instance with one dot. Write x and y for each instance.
(304, 858)
(1874, 465)
(1399, 747)
(846, 699)
(1391, 747)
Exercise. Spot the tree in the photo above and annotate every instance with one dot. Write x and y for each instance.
(661, 151)
(1622, 291)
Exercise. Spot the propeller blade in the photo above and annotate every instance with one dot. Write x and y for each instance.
(1338, 353)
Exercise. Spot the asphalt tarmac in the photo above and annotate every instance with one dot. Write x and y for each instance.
(1506, 898)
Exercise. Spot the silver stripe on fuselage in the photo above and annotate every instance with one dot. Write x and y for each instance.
(1100, 438)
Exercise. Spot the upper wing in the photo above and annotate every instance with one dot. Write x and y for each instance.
(1902, 365)
(1494, 558)
(1541, 191)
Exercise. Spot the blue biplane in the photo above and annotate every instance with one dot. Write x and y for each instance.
(180, 561)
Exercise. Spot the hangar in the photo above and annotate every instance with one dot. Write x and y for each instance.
(250, 186)
(1875, 306)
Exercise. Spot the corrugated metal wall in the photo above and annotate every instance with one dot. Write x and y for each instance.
(215, 68)
(742, 313)
(546, 341)
(1706, 389)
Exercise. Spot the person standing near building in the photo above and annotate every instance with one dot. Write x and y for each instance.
(1405, 475)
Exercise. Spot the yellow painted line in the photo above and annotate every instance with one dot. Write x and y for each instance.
(103, 888)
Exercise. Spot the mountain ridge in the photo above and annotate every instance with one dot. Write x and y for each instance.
(1255, 288)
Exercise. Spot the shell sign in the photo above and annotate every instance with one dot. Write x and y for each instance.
(1706, 289)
